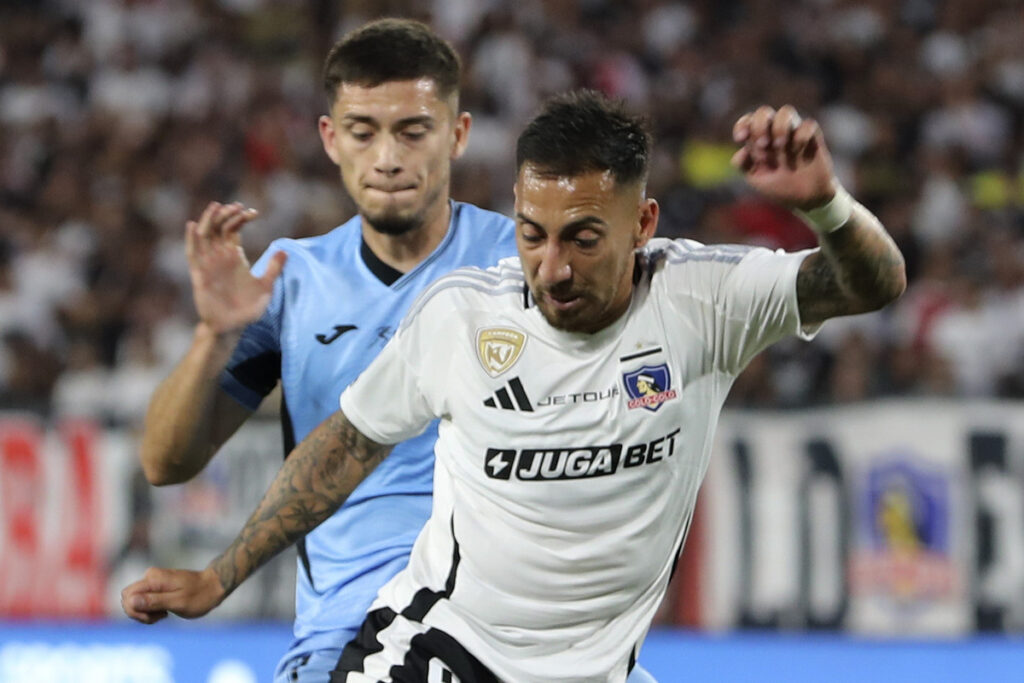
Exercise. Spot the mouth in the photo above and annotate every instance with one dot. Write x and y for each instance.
(563, 302)
(392, 191)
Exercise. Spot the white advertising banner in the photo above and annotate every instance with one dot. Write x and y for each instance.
(895, 518)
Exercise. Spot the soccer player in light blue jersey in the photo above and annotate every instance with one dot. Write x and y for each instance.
(313, 313)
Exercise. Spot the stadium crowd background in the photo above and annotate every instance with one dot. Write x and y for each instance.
(120, 119)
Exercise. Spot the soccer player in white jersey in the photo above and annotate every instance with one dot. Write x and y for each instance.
(578, 389)
(393, 129)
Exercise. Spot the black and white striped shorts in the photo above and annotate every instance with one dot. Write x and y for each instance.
(392, 647)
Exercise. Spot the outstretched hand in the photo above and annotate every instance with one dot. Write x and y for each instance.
(227, 295)
(784, 157)
(188, 594)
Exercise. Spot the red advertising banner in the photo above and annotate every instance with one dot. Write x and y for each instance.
(51, 520)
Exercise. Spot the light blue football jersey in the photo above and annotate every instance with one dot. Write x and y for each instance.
(331, 313)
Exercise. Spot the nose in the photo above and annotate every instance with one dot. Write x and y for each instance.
(554, 264)
(387, 161)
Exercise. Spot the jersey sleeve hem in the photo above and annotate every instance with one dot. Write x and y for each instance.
(352, 413)
(805, 331)
(249, 398)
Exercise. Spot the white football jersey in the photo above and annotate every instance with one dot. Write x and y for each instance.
(567, 464)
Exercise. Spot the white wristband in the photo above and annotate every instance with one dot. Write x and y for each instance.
(832, 216)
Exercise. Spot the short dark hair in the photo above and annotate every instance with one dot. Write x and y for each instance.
(584, 131)
(391, 50)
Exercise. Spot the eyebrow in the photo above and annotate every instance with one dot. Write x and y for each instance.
(422, 119)
(578, 224)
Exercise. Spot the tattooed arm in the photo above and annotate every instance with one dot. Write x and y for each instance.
(858, 269)
(315, 480)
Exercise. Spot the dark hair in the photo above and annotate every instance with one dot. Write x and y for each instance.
(583, 131)
(391, 50)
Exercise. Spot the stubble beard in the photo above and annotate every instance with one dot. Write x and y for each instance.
(571, 322)
(394, 223)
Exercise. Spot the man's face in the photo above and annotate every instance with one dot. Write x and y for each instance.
(394, 144)
(576, 238)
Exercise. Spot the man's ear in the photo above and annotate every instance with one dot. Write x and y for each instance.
(463, 122)
(328, 135)
(648, 223)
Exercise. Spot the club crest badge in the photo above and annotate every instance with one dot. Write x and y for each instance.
(498, 348)
(648, 387)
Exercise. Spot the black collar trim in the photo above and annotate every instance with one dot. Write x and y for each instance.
(381, 270)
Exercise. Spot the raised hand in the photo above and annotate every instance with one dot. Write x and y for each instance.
(784, 157)
(160, 592)
(227, 296)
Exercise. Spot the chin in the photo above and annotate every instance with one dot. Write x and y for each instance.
(393, 222)
(563, 323)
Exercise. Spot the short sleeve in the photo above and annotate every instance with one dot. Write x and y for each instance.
(254, 368)
(740, 299)
(401, 392)
(758, 304)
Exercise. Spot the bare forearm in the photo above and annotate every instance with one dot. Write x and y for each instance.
(316, 479)
(859, 268)
(185, 424)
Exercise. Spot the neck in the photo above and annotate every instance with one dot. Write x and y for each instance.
(405, 252)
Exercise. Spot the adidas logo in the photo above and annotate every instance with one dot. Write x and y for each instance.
(501, 398)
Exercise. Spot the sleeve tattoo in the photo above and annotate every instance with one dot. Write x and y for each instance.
(858, 269)
(317, 477)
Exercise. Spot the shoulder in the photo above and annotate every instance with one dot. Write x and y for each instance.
(328, 247)
(470, 288)
(482, 219)
(661, 252)
(690, 271)
(486, 229)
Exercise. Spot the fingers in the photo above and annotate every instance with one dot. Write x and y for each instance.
(191, 239)
(157, 593)
(217, 221)
(203, 227)
(741, 129)
(274, 268)
(772, 137)
(807, 138)
(743, 159)
(782, 125)
(183, 592)
(142, 600)
(759, 128)
(234, 222)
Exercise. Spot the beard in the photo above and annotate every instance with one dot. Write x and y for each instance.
(396, 222)
(393, 225)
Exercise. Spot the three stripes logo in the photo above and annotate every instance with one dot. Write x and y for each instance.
(504, 400)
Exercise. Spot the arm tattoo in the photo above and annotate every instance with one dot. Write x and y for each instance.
(858, 269)
(317, 477)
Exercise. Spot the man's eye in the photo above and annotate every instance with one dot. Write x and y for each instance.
(531, 237)
(361, 135)
(417, 134)
(585, 242)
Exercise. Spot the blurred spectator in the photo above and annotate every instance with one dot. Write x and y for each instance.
(123, 118)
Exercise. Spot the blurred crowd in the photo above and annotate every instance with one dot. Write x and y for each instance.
(121, 119)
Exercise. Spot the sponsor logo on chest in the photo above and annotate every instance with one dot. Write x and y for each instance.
(513, 396)
(575, 462)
